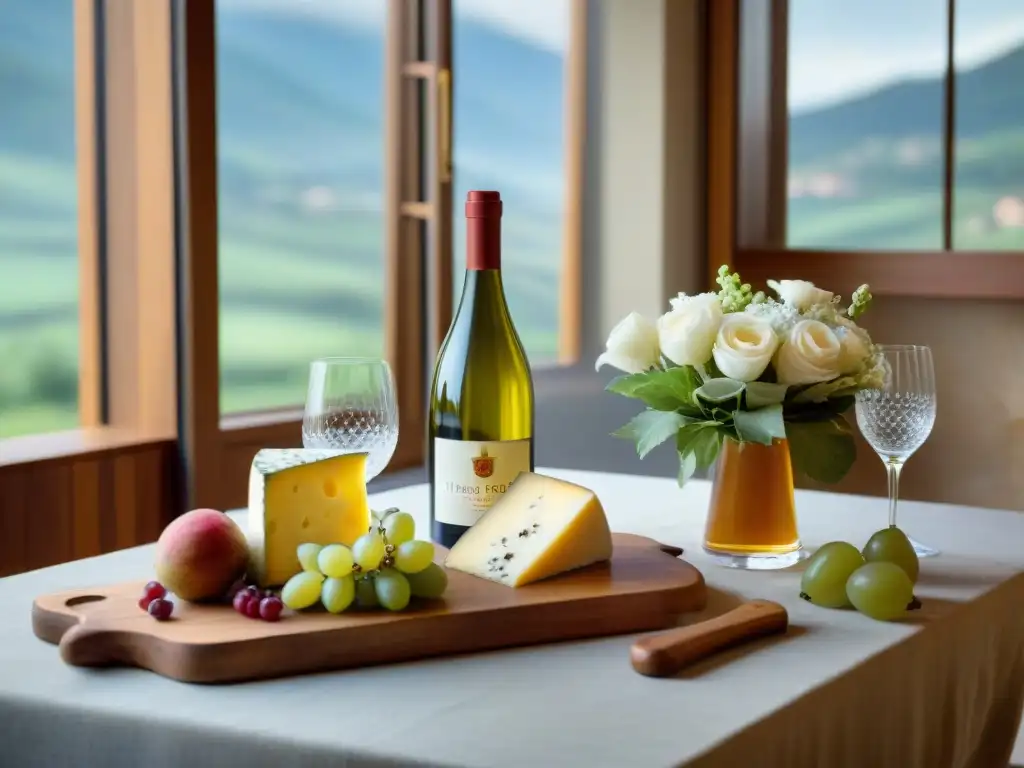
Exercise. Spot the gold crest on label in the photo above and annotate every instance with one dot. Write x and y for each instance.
(483, 465)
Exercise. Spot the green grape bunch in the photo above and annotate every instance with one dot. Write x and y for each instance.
(385, 567)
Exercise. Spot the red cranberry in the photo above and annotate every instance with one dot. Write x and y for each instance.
(160, 609)
(241, 600)
(270, 608)
(252, 608)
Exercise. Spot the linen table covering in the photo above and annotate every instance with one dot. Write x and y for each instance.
(840, 690)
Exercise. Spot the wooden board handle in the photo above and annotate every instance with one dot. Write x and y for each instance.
(668, 652)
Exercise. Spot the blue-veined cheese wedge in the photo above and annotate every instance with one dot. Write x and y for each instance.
(300, 495)
(540, 527)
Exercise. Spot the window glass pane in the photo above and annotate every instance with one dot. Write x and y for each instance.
(865, 123)
(989, 182)
(300, 127)
(509, 86)
(38, 219)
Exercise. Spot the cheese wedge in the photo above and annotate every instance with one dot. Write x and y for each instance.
(539, 528)
(300, 495)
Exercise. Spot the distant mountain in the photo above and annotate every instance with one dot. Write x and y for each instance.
(988, 101)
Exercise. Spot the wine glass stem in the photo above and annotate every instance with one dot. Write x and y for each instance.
(893, 466)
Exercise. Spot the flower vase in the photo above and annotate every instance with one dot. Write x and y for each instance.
(751, 519)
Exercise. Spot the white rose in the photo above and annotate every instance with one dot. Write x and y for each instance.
(808, 355)
(800, 293)
(853, 346)
(632, 345)
(687, 332)
(744, 346)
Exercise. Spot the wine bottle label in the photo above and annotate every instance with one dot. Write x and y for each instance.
(470, 475)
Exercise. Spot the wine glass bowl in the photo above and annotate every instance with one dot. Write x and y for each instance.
(897, 417)
(895, 424)
(351, 408)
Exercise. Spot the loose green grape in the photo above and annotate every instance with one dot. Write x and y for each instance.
(308, 554)
(337, 594)
(302, 590)
(891, 545)
(429, 583)
(826, 574)
(366, 595)
(399, 527)
(392, 589)
(414, 556)
(880, 590)
(335, 561)
(368, 550)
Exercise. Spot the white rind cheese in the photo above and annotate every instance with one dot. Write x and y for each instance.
(539, 528)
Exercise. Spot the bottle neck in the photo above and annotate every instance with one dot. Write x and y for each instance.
(483, 243)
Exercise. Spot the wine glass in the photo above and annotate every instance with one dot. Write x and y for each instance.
(897, 418)
(351, 408)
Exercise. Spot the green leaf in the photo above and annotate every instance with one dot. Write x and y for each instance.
(761, 393)
(822, 450)
(702, 439)
(697, 444)
(760, 426)
(719, 390)
(718, 398)
(651, 428)
(667, 390)
(823, 411)
(627, 384)
(687, 468)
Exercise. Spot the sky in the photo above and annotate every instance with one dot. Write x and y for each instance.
(542, 22)
(838, 48)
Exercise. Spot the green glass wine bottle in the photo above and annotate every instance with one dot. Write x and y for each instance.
(481, 420)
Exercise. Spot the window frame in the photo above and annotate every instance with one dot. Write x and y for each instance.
(747, 138)
(217, 449)
(148, 361)
(112, 482)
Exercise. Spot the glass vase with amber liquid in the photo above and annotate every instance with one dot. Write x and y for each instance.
(751, 519)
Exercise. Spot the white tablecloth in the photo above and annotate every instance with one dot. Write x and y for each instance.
(840, 690)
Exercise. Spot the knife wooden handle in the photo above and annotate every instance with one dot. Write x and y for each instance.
(666, 653)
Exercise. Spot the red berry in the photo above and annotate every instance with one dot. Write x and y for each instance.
(154, 590)
(270, 608)
(160, 609)
(144, 603)
(242, 599)
(252, 608)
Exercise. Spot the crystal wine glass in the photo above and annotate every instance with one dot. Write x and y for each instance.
(351, 408)
(897, 418)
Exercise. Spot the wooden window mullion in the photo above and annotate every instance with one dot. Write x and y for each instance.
(949, 129)
(406, 216)
(570, 303)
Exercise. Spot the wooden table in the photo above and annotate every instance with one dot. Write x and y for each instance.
(839, 690)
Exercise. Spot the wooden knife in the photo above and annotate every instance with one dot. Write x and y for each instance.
(666, 653)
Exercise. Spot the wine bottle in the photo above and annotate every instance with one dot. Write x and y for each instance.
(480, 424)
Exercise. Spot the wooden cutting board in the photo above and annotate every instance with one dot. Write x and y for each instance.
(645, 586)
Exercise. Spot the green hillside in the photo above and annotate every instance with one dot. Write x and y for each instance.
(301, 169)
(884, 150)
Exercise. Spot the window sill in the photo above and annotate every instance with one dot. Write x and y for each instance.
(237, 421)
(921, 274)
(73, 443)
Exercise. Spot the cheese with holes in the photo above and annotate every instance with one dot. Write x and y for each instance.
(299, 495)
(539, 528)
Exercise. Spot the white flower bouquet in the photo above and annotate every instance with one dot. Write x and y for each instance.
(740, 365)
